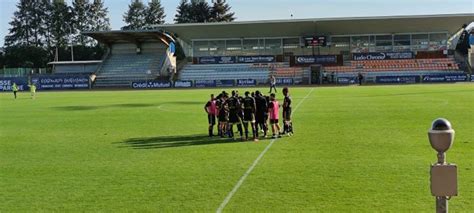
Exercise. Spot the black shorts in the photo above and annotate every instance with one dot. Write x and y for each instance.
(261, 118)
(211, 119)
(241, 115)
(287, 114)
(273, 121)
(234, 118)
(223, 118)
(249, 117)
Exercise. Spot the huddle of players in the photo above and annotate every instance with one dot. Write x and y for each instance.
(254, 110)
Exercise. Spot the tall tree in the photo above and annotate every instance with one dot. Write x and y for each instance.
(99, 16)
(20, 32)
(220, 12)
(155, 13)
(182, 12)
(200, 11)
(135, 16)
(37, 13)
(45, 6)
(62, 25)
(81, 21)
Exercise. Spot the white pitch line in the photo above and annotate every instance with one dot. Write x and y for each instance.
(246, 174)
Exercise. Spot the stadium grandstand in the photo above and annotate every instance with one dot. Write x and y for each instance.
(133, 56)
(304, 50)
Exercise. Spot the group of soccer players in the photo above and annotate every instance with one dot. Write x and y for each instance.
(252, 111)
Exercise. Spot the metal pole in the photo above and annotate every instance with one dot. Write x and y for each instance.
(441, 158)
(72, 44)
(441, 205)
(441, 202)
(72, 52)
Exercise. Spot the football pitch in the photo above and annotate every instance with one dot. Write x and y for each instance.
(355, 149)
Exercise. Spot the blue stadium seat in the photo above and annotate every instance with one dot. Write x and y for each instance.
(224, 72)
(119, 70)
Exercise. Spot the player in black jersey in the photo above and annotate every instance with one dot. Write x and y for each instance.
(223, 114)
(218, 103)
(287, 125)
(261, 114)
(249, 116)
(241, 100)
(235, 108)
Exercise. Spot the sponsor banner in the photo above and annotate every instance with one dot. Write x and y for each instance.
(246, 82)
(382, 56)
(317, 59)
(151, 84)
(347, 80)
(183, 84)
(57, 82)
(407, 79)
(445, 78)
(218, 60)
(7, 82)
(285, 81)
(256, 59)
(225, 83)
(472, 78)
(205, 83)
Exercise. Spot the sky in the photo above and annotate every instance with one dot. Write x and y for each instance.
(247, 10)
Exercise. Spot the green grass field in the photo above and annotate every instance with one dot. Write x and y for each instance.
(355, 149)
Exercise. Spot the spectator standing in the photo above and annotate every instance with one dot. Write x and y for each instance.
(272, 84)
(360, 77)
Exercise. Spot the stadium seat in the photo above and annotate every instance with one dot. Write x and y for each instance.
(119, 70)
(439, 64)
(259, 72)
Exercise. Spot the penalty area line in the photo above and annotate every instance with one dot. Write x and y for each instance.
(254, 164)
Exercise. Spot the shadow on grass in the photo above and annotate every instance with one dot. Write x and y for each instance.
(185, 102)
(173, 141)
(133, 105)
(85, 108)
(77, 108)
(129, 105)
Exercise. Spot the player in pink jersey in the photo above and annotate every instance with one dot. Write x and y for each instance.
(273, 112)
(211, 110)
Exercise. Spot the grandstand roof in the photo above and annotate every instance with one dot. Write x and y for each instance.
(320, 26)
(127, 36)
(450, 23)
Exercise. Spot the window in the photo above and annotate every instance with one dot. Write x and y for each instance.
(234, 47)
(292, 46)
(438, 41)
(402, 43)
(273, 47)
(341, 42)
(359, 44)
(201, 48)
(251, 47)
(402, 40)
(420, 41)
(383, 43)
(217, 48)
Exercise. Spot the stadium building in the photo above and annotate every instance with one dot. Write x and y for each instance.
(397, 49)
